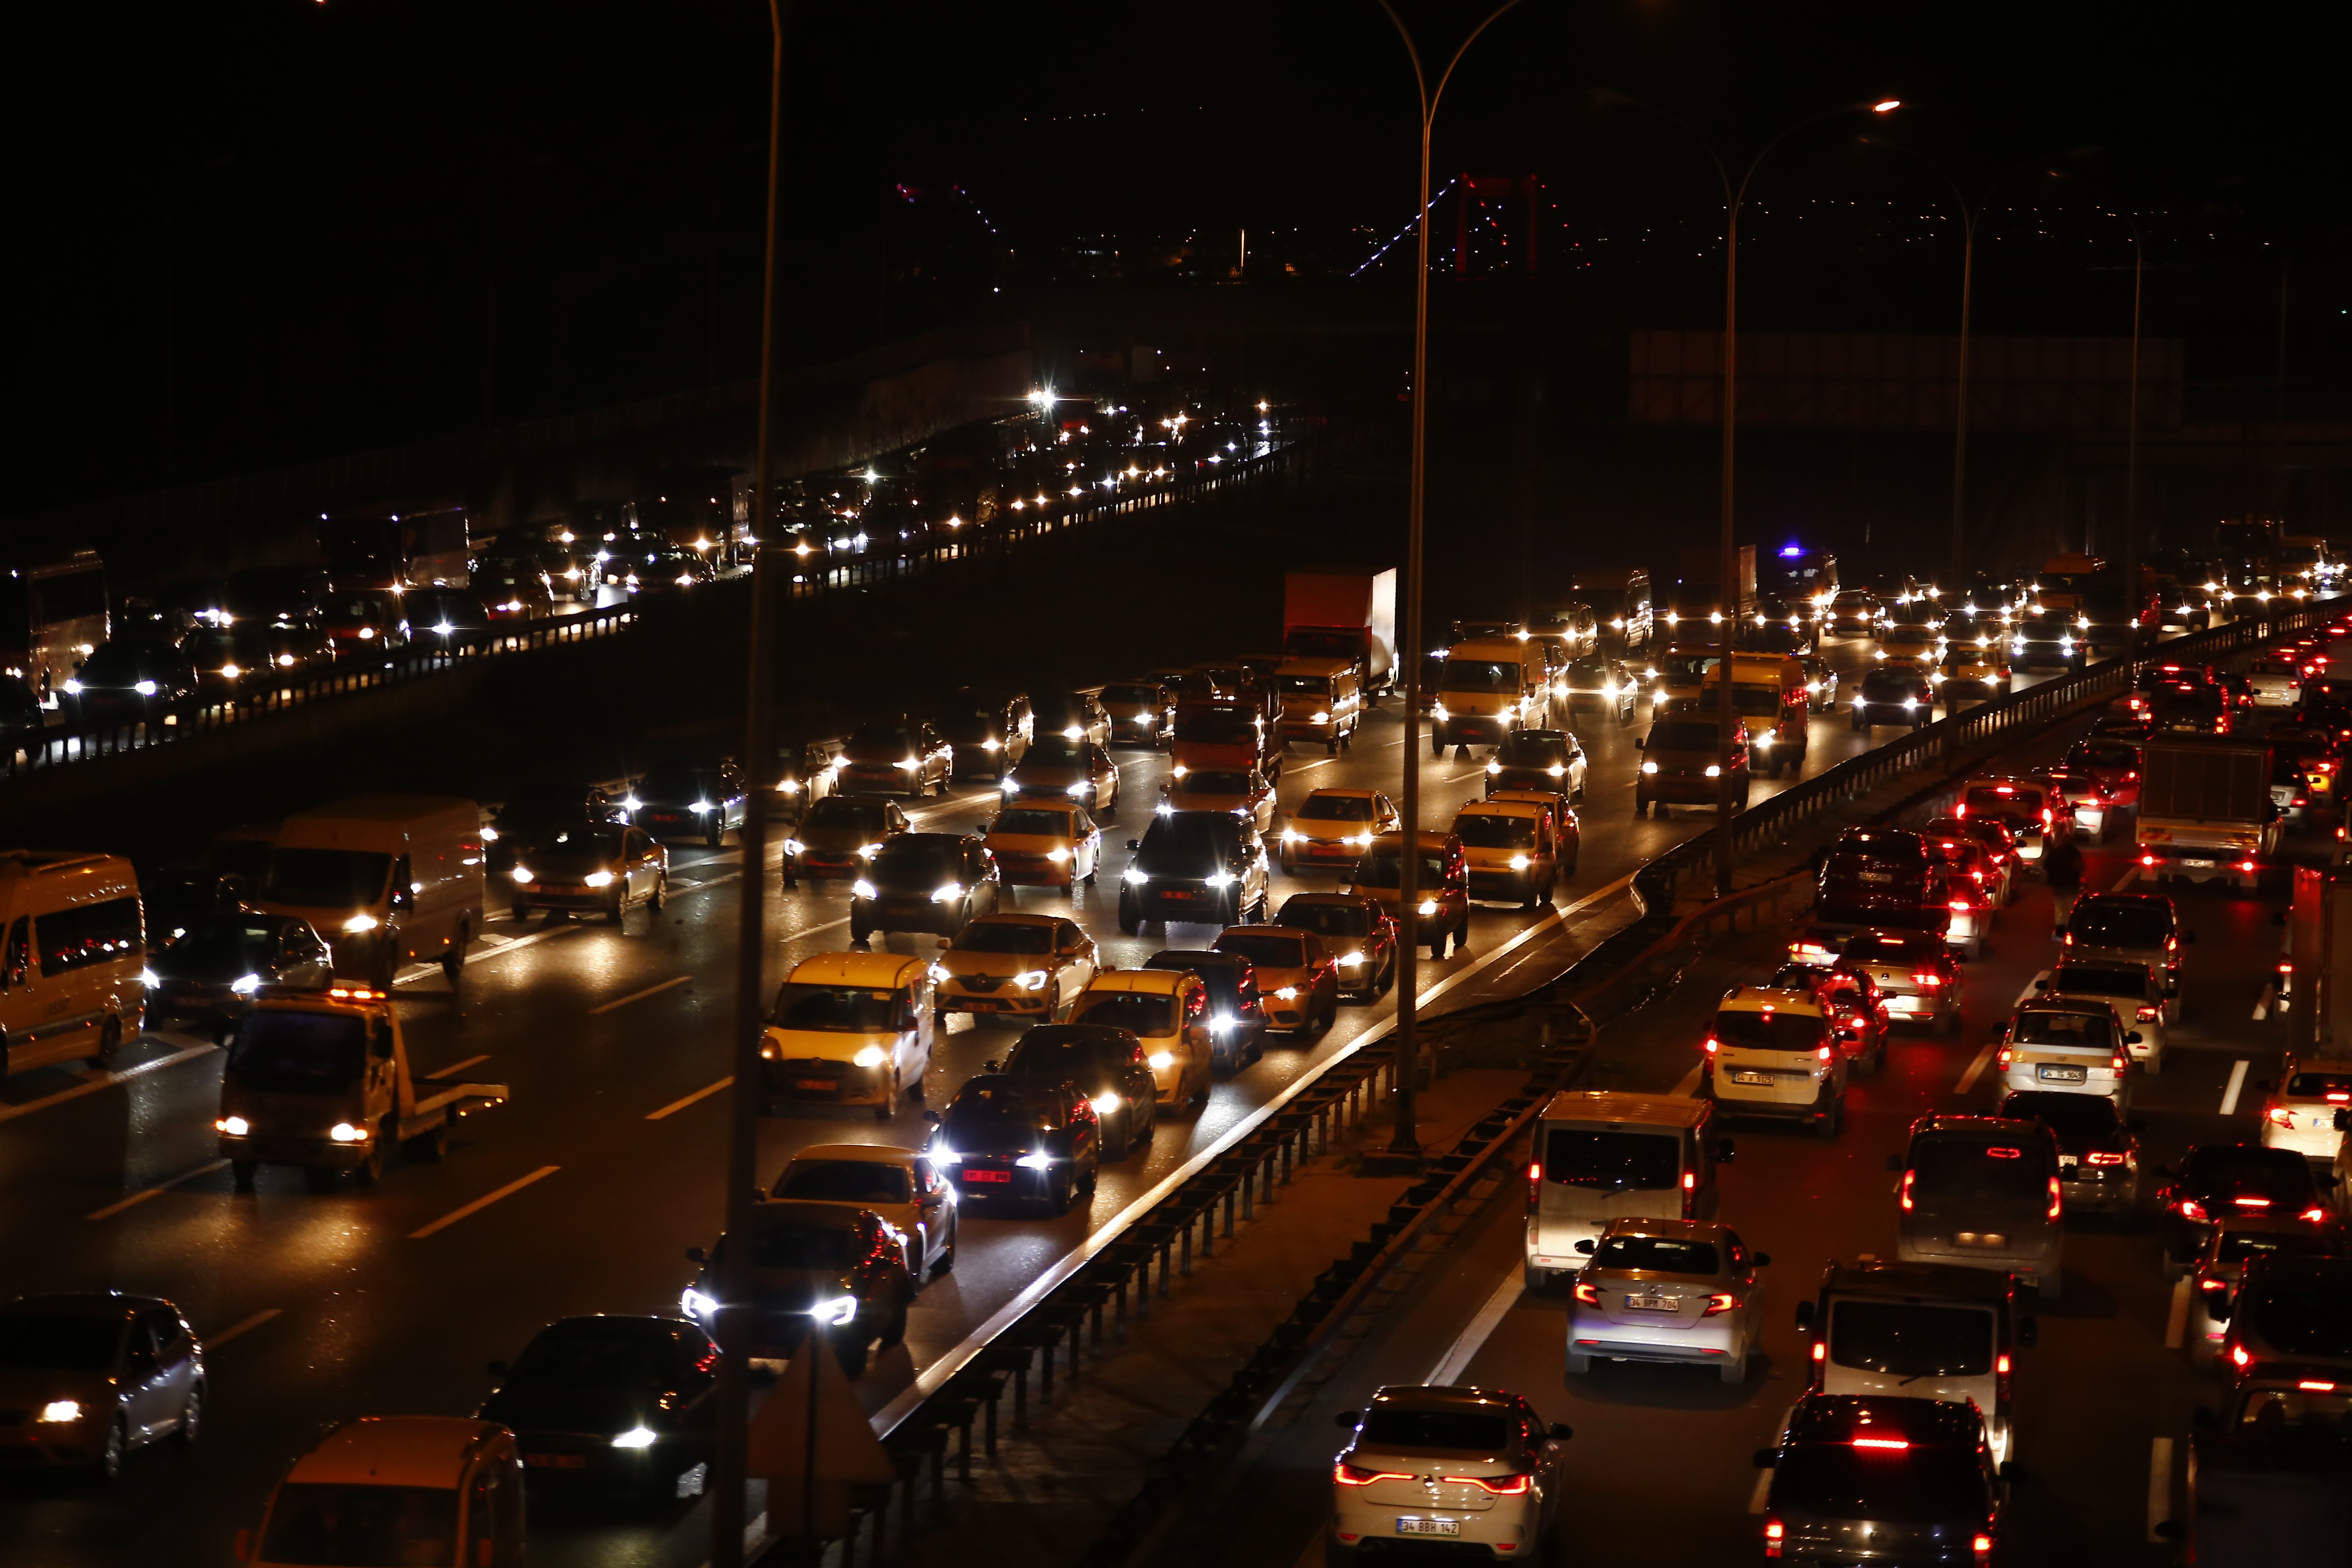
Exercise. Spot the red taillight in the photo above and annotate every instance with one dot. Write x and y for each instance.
(1824, 1053)
(1961, 809)
(1535, 1184)
(1980, 1547)
(1588, 1294)
(2191, 1209)
(1929, 979)
(1721, 1301)
(2004, 1057)
(1821, 1350)
(1961, 905)
(1906, 1209)
(2106, 1157)
(2239, 1358)
(1774, 1531)
(2000, 1364)
(2282, 1117)
(2045, 816)
(2117, 1063)
(2312, 1386)
(1349, 1475)
(1895, 1443)
(1500, 1486)
(1690, 1181)
(2316, 1216)
(2212, 1284)
(2251, 1203)
(2145, 861)
(2245, 864)
(1712, 1045)
(2057, 1203)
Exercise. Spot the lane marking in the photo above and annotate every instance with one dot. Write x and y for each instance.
(2160, 1483)
(242, 1326)
(2125, 880)
(678, 1105)
(1974, 1069)
(2029, 991)
(946, 1365)
(639, 996)
(417, 972)
(110, 1210)
(105, 1081)
(1760, 1492)
(1457, 1360)
(2237, 1083)
(1305, 767)
(454, 1069)
(1689, 1084)
(2176, 1320)
(485, 1201)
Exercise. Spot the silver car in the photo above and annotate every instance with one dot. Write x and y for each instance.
(85, 1378)
(2129, 928)
(1668, 1289)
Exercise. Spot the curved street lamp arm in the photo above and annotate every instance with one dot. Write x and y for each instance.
(1412, 52)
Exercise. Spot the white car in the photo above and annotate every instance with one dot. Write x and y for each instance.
(2071, 1045)
(2300, 1109)
(2134, 991)
(1466, 1467)
(1668, 1289)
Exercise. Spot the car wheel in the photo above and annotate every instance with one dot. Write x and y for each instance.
(716, 833)
(1734, 1369)
(1948, 1023)
(1337, 1555)
(427, 1147)
(1533, 1277)
(852, 1356)
(1834, 1120)
(191, 1418)
(1130, 919)
(895, 1330)
(1579, 1364)
(110, 1043)
(520, 912)
(616, 910)
(1436, 744)
(241, 1172)
(1064, 1195)
(661, 891)
(109, 1467)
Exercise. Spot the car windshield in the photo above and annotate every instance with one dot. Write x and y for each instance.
(1263, 949)
(844, 1182)
(1315, 686)
(1612, 1161)
(228, 943)
(1479, 674)
(581, 843)
(1590, 671)
(1906, 1339)
(1033, 821)
(1181, 847)
(2005, 800)
(1909, 1486)
(2334, 1086)
(1144, 1013)
(1056, 751)
(1058, 1053)
(1977, 1168)
(838, 1009)
(1890, 685)
(1217, 782)
(618, 1354)
(1494, 830)
(344, 1525)
(880, 743)
(1216, 727)
(860, 816)
(2249, 1168)
(1878, 947)
(1681, 735)
(1387, 1427)
(2099, 980)
(2103, 754)
(803, 1245)
(281, 1051)
(1772, 1031)
(1334, 808)
(1004, 936)
(2299, 1319)
(2071, 1116)
(1525, 751)
(908, 862)
(58, 1341)
(1661, 1254)
(993, 1117)
(678, 785)
(1146, 696)
(1326, 919)
(2096, 924)
(326, 878)
(1687, 669)
(2087, 1030)
(1385, 868)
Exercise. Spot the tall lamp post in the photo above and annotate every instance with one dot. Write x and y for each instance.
(1406, 1143)
(1735, 196)
(732, 1268)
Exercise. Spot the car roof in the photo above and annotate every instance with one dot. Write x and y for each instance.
(1149, 982)
(1494, 805)
(1607, 1105)
(1442, 1396)
(1343, 791)
(1549, 800)
(1262, 928)
(1986, 1126)
(880, 970)
(1012, 918)
(1198, 957)
(776, 1213)
(1425, 840)
(1678, 1229)
(1764, 999)
(857, 1154)
(1909, 1281)
(1839, 1418)
(394, 1450)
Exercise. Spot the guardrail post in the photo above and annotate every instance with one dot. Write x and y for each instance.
(1229, 1213)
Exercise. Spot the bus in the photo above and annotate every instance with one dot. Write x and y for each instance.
(51, 617)
(405, 550)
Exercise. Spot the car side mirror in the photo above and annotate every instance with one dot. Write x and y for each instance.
(931, 1117)
(1642, 742)
(1723, 1152)
(696, 1255)
(2029, 1330)
(1346, 1420)
(1804, 1316)
(1135, 844)
(1560, 1432)
(1585, 1247)
(2041, 984)
(1760, 1260)
(2217, 1310)
(497, 1369)
(1766, 1458)
(1894, 1163)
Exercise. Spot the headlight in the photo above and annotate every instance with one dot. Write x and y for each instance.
(1649, 767)
(699, 806)
(695, 1304)
(1160, 1061)
(788, 786)
(1012, 783)
(1288, 994)
(144, 688)
(1429, 906)
(1035, 1162)
(1713, 771)
(1133, 877)
(73, 688)
(1221, 879)
(147, 978)
(1557, 770)
(1765, 739)
(867, 851)
(991, 745)
(870, 1057)
(1437, 711)
(908, 767)
(635, 1437)
(947, 894)
(246, 984)
(1351, 960)
(358, 923)
(60, 1410)
(1518, 862)
(1071, 733)
(1057, 856)
(598, 879)
(1360, 840)
(489, 835)
(1078, 790)
(344, 1132)
(230, 671)
(521, 874)
(1292, 835)
(1106, 1103)
(794, 846)
(443, 627)
(1322, 718)
(234, 1126)
(837, 1311)
(1910, 703)
(1494, 767)
(861, 889)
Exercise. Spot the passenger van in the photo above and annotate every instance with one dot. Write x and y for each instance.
(1768, 691)
(1982, 1192)
(1924, 1331)
(1492, 687)
(72, 959)
(849, 1028)
(385, 878)
(1620, 602)
(1770, 1053)
(397, 1489)
(2068, 1045)
(1601, 1156)
(1321, 700)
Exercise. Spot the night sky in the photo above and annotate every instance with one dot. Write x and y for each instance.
(258, 230)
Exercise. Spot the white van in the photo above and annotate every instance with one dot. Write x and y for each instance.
(1924, 1331)
(1601, 1156)
(385, 878)
(73, 952)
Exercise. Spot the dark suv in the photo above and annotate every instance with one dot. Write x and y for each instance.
(988, 730)
(1894, 696)
(1207, 867)
(1011, 1138)
(1237, 1012)
(932, 882)
(1881, 1479)
(2216, 1179)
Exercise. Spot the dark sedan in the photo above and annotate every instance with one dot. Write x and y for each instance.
(1237, 1012)
(602, 867)
(2098, 1152)
(123, 681)
(1105, 1067)
(445, 620)
(988, 730)
(1014, 1140)
(699, 799)
(930, 882)
(618, 1405)
(212, 969)
(528, 812)
(1353, 927)
(2215, 1179)
(1900, 695)
(1538, 759)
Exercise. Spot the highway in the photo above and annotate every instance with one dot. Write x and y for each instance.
(1661, 1460)
(582, 1192)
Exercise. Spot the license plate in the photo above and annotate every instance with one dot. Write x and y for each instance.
(2198, 865)
(665, 817)
(556, 1461)
(1652, 1304)
(1429, 1527)
(816, 1085)
(2068, 1161)
(1755, 1078)
(2059, 1075)
(1175, 893)
(988, 1175)
(982, 1004)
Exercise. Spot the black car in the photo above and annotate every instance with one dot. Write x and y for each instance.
(2292, 1315)
(1538, 759)
(1073, 715)
(989, 731)
(211, 971)
(269, 658)
(1104, 1065)
(1006, 1138)
(610, 1404)
(1236, 1013)
(289, 596)
(699, 799)
(2098, 1152)
(588, 867)
(1192, 866)
(1898, 696)
(1881, 1479)
(932, 882)
(124, 682)
(20, 716)
(175, 898)
(445, 620)
(528, 812)
(2215, 1179)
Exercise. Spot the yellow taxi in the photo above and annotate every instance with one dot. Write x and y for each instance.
(849, 1028)
(1567, 830)
(1441, 902)
(1971, 666)
(1913, 645)
(1242, 791)
(1298, 976)
(1059, 767)
(1040, 842)
(1513, 850)
(1335, 826)
(1025, 966)
(1168, 1011)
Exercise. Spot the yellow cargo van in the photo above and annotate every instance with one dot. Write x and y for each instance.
(385, 878)
(73, 953)
(850, 1028)
(1490, 687)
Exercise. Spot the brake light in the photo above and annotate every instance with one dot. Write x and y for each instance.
(1961, 905)
(1773, 1532)
(1721, 1301)
(1690, 1180)
(2106, 1157)
(2117, 1063)
(1499, 1486)
(2213, 1285)
(2003, 1059)
(2239, 1358)
(1349, 1475)
(2251, 1203)
(2191, 1209)
(2045, 816)
(1928, 978)
(2000, 1364)
(1588, 1294)
(1535, 1184)
(1980, 1547)
(1824, 1053)
(1821, 1350)
(1880, 1443)
(2314, 1215)
(1961, 809)
(2057, 1203)
(1711, 1044)
(2245, 864)
(1906, 1209)
(2145, 861)
(2313, 1385)
(2282, 1117)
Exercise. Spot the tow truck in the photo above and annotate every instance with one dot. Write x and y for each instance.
(320, 1079)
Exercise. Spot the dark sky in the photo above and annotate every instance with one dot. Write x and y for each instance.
(251, 230)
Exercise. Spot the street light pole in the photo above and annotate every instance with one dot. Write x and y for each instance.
(730, 1451)
(1406, 1143)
